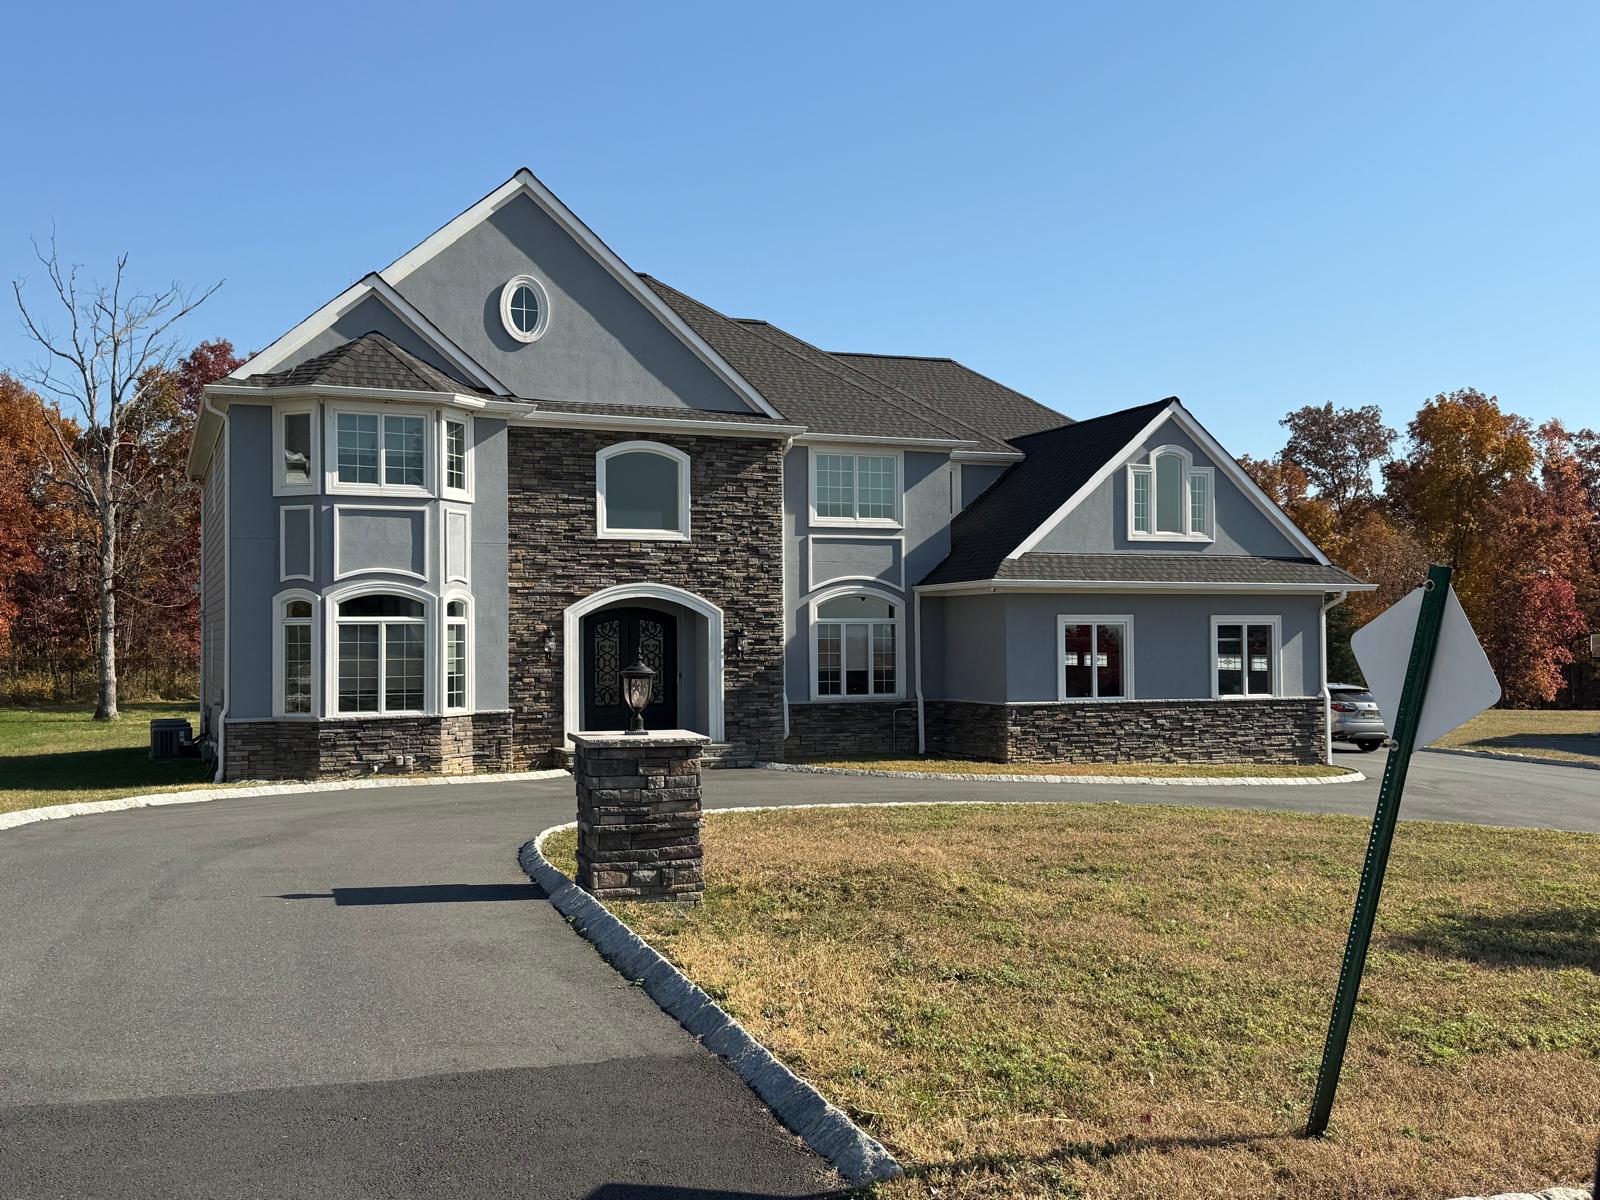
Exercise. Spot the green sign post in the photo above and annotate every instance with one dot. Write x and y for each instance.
(1419, 669)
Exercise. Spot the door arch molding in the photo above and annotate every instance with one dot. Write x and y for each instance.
(572, 648)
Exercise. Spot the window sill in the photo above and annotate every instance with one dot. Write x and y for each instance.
(456, 494)
(855, 523)
(295, 489)
(1091, 699)
(640, 535)
(1171, 537)
(378, 490)
(882, 698)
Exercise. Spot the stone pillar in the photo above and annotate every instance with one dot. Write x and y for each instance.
(639, 815)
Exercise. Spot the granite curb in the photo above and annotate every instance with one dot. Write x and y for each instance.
(85, 808)
(1156, 780)
(1555, 1193)
(848, 1148)
(1506, 756)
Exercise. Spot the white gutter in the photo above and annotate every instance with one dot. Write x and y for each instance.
(981, 587)
(1327, 696)
(528, 415)
(842, 439)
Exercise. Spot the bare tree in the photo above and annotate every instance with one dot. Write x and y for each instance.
(117, 341)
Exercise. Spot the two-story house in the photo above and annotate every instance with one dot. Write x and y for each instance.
(444, 510)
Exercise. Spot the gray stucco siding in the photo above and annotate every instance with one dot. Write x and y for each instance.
(253, 560)
(601, 344)
(1099, 524)
(490, 625)
(369, 315)
(1171, 642)
(822, 554)
(977, 478)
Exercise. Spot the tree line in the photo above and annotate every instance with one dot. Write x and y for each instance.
(1512, 508)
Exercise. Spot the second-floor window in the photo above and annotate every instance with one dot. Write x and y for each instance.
(642, 492)
(1169, 498)
(381, 450)
(854, 488)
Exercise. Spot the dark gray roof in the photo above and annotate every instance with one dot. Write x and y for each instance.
(370, 361)
(810, 387)
(1174, 568)
(585, 407)
(960, 392)
(1058, 463)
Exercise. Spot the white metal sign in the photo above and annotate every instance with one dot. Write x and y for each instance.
(1462, 684)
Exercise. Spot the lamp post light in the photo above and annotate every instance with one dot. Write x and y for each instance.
(637, 682)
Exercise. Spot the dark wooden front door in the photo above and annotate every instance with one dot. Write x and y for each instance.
(614, 639)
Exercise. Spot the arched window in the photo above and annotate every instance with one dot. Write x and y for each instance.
(382, 657)
(856, 650)
(1169, 498)
(457, 655)
(642, 492)
(294, 656)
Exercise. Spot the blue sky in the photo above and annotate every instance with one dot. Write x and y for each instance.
(1254, 207)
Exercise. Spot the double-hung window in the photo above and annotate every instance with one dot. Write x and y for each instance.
(455, 655)
(855, 488)
(382, 662)
(1094, 658)
(454, 439)
(1169, 498)
(1244, 656)
(856, 647)
(380, 451)
(294, 450)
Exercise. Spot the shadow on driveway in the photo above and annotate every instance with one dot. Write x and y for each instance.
(424, 893)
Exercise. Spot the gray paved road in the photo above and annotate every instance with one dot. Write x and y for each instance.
(358, 995)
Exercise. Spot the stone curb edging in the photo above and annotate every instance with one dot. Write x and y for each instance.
(84, 808)
(1159, 780)
(1555, 1193)
(855, 1154)
(1499, 756)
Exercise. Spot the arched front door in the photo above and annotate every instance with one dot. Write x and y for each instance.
(613, 639)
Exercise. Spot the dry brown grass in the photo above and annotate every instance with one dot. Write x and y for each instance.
(1098, 1001)
(962, 766)
(1572, 734)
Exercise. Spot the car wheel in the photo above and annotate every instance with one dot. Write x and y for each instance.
(1368, 745)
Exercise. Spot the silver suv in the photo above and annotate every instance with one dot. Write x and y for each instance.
(1356, 717)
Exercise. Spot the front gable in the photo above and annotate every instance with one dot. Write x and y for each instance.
(601, 343)
(1100, 522)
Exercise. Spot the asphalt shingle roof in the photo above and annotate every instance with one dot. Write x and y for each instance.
(1058, 463)
(961, 392)
(371, 361)
(1174, 568)
(807, 385)
(585, 407)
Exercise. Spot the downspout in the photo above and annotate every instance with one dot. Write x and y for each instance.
(916, 654)
(227, 571)
(783, 585)
(1327, 696)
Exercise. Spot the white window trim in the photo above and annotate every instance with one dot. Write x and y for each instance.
(445, 621)
(427, 539)
(812, 582)
(1123, 619)
(899, 644)
(431, 656)
(443, 467)
(430, 452)
(447, 515)
(1147, 467)
(510, 289)
(280, 603)
(284, 574)
(855, 452)
(602, 529)
(279, 486)
(1277, 656)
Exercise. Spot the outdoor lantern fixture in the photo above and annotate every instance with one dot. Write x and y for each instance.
(637, 682)
(738, 643)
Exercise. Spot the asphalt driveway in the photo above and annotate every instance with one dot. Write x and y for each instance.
(358, 994)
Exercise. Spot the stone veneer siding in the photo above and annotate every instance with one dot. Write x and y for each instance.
(639, 818)
(851, 728)
(734, 560)
(454, 745)
(1166, 731)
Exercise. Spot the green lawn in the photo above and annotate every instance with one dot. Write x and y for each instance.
(61, 755)
(1572, 733)
(962, 766)
(1110, 1001)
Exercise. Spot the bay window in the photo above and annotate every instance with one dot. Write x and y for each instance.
(1244, 656)
(378, 451)
(295, 637)
(855, 488)
(455, 655)
(456, 479)
(1094, 658)
(856, 646)
(294, 450)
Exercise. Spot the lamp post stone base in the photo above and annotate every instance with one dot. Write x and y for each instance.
(639, 815)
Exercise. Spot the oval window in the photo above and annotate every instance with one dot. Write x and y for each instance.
(524, 308)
